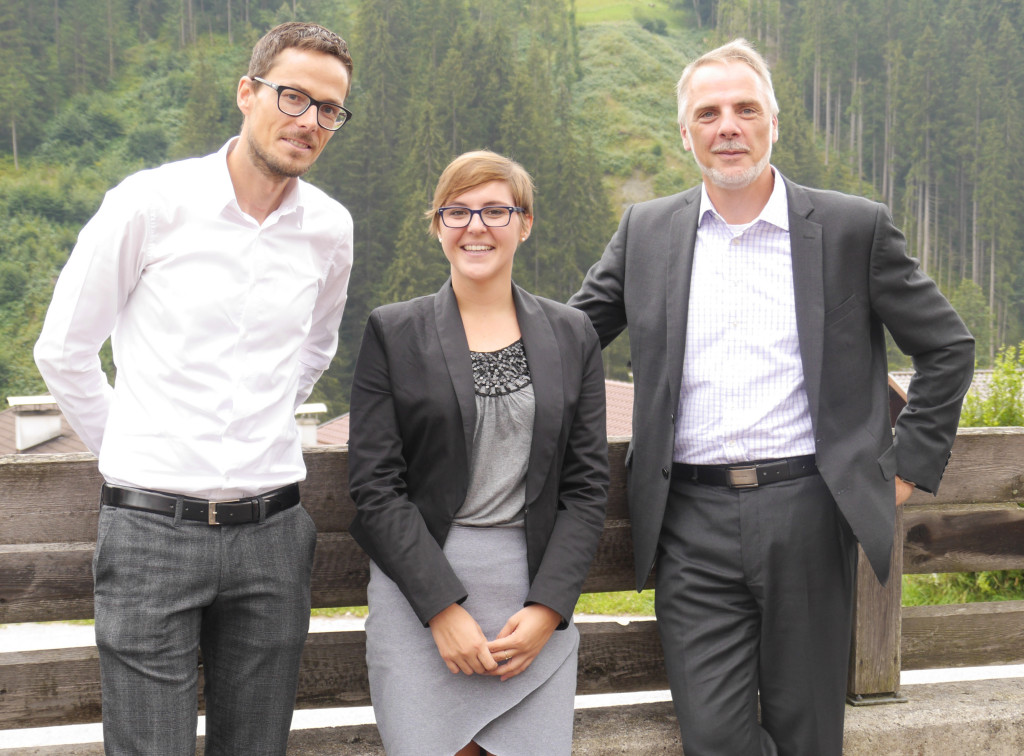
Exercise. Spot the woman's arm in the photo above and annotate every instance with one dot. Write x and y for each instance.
(388, 525)
(583, 489)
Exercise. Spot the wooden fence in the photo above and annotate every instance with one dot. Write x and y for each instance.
(48, 514)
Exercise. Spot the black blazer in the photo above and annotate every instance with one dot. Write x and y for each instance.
(413, 414)
(851, 277)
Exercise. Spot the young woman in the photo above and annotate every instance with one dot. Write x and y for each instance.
(478, 464)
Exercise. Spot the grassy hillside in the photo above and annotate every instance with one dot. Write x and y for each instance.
(626, 101)
(602, 11)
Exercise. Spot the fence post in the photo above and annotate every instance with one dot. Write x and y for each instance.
(875, 651)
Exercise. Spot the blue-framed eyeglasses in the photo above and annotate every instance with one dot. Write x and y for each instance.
(492, 216)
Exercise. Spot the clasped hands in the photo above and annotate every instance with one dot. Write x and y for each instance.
(464, 647)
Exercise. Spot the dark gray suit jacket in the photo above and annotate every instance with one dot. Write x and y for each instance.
(851, 276)
(412, 421)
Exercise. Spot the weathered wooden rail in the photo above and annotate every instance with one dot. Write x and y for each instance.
(48, 515)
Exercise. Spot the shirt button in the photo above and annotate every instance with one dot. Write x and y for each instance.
(664, 473)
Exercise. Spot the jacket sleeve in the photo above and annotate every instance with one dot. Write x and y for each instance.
(388, 525)
(582, 491)
(927, 329)
(601, 295)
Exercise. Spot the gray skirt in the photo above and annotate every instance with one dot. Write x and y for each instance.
(422, 709)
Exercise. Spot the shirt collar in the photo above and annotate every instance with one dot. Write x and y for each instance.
(221, 191)
(775, 211)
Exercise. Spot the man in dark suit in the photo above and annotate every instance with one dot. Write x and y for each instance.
(762, 451)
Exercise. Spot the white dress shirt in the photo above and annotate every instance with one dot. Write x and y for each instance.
(742, 396)
(220, 326)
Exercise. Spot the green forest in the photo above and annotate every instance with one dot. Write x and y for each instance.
(916, 103)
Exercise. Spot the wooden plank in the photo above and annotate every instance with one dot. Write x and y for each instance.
(985, 466)
(54, 498)
(44, 582)
(966, 538)
(612, 568)
(325, 489)
(51, 687)
(47, 582)
(48, 498)
(45, 688)
(617, 658)
(875, 647)
(963, 635)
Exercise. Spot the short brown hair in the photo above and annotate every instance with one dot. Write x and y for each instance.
(472, 169)
(737, 51)
(304, 36)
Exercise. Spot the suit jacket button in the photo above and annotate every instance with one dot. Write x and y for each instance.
(664, 472)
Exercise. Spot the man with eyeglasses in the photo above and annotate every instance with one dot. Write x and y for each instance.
(222, 281)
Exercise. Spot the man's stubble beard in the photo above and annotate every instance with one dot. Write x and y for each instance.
(740, 180)
(271, 166)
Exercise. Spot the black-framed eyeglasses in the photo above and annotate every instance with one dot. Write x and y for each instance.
(294, 102)
(492, 216)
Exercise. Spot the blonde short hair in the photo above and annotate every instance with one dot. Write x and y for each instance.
(473, 169)
(737, 51)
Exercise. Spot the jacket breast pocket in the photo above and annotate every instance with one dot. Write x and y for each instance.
(844, 309)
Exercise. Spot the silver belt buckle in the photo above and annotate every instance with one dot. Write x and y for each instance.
(742, 477)
(211, 509)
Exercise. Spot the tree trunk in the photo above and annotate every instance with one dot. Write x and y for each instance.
(14, 142)
(975, 246)
(860, 140)
(887, 131)
(839, 120)
(816, 91)
(853, 123)
(828, 113)
(56, 33)
(110, 39)
(992, 301)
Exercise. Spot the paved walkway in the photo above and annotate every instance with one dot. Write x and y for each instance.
(34, 636)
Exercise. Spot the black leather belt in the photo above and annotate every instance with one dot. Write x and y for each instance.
(232, 512)
(748, 474)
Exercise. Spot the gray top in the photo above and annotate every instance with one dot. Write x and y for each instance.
(501, 441)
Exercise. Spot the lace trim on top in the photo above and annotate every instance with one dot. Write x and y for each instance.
(502, 372)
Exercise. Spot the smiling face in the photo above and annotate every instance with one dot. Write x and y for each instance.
(482, 254)
(729, 126)
(280, 145)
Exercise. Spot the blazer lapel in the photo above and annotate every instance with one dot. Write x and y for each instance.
(452, 336)
(809, 291)
(678, 270)
(545, 362)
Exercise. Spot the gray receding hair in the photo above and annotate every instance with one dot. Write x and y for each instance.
(737, 51)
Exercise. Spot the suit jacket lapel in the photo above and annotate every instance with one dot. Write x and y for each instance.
(678, 270)
(809, 291)
(545, 362)
(452, 336)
